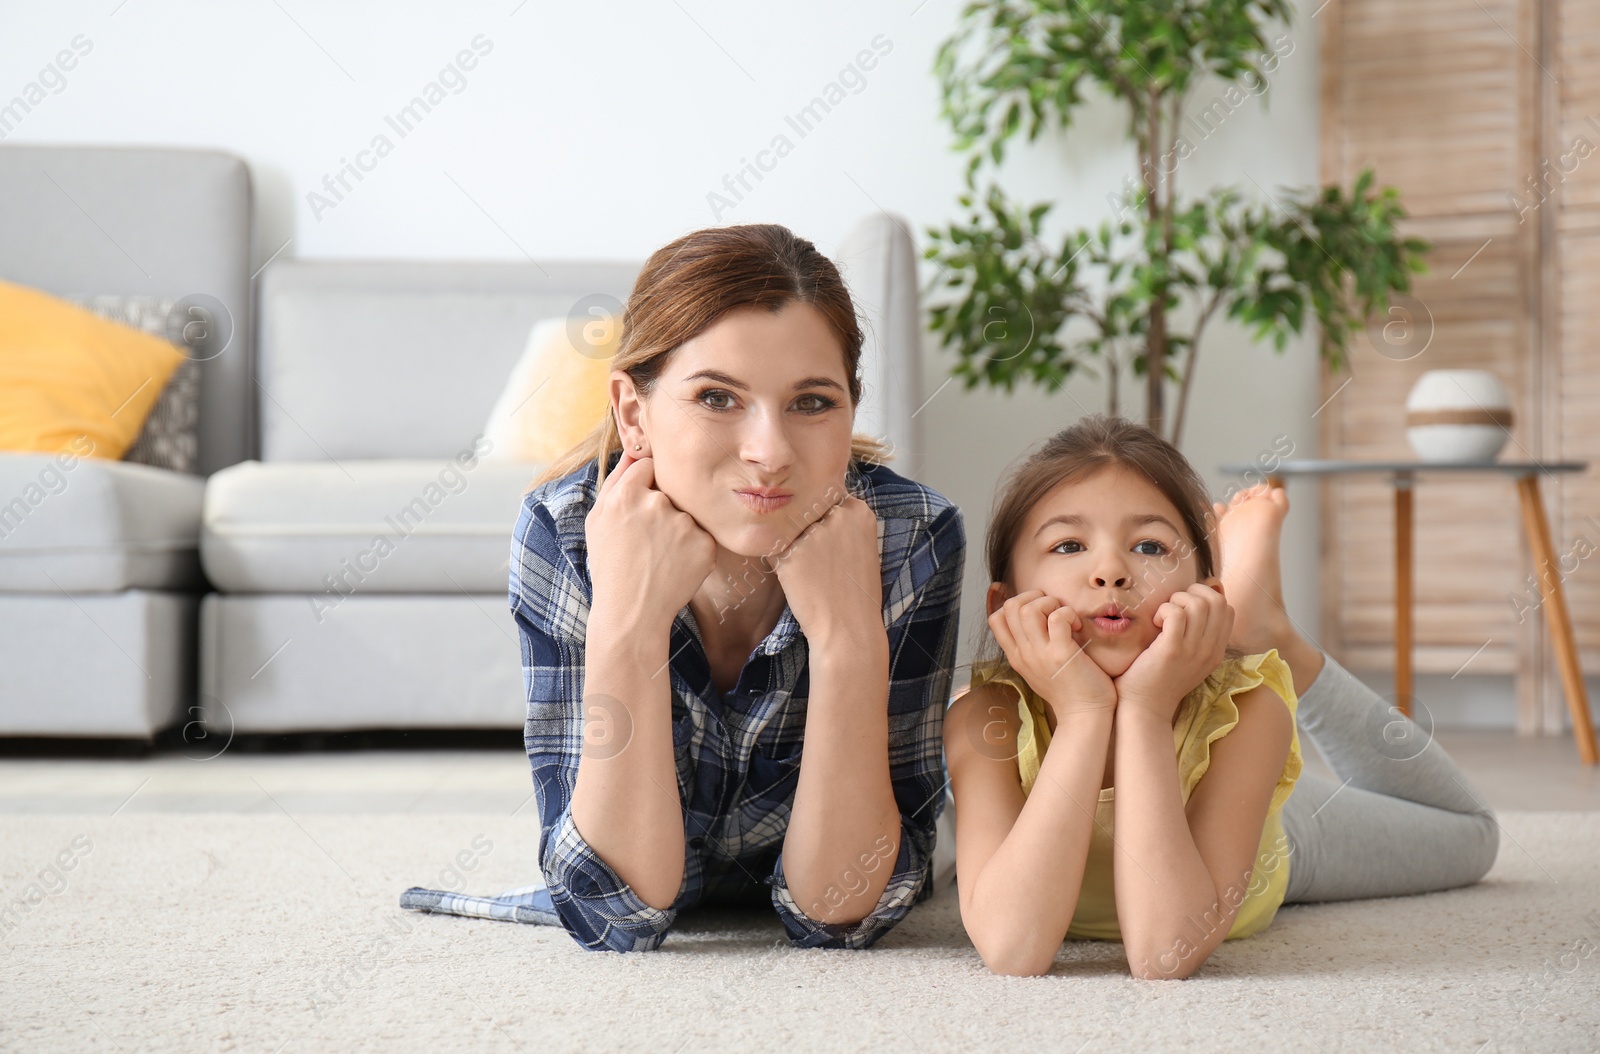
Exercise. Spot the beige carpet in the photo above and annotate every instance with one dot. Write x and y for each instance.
(279, 933)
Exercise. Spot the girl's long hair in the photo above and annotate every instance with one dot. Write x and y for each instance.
(1073, 454)
(689, 284)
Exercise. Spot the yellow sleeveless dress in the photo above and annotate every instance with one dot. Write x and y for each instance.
(1205, 715)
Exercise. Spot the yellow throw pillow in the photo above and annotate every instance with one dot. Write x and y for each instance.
(558, 390)
(66, 373)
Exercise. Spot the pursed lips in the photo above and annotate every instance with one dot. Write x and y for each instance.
(764, 501)
(1115, 623)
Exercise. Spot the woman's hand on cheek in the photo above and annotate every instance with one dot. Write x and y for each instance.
(1194, 627)
(644, 552)
(832, 573)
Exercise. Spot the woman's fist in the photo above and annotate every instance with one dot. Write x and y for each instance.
(832, 573)
(645, 553)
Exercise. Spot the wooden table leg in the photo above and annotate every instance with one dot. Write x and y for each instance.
(1554, 601)
(1402, 592)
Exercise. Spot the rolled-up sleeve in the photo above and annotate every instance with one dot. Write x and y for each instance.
(550, 604)
(599, 909)
(905, 887)
(923, 616)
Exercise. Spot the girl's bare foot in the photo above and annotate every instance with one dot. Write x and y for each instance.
(1247, 533)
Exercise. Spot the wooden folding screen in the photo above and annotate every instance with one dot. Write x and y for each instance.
(1484, 113)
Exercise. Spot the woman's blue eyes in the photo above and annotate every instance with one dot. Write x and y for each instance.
(822, 401)
(1161, 548)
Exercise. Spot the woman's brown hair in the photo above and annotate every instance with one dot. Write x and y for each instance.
(687, 285)
(1074, 454)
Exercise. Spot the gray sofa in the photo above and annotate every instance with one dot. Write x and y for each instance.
(361, 563)
(99, 561)
(345, 408)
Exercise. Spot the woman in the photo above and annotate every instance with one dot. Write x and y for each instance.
(720, 574)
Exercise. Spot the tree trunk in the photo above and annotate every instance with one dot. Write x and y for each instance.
(1156, 351)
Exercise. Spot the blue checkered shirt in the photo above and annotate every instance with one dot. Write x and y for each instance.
(738, 757)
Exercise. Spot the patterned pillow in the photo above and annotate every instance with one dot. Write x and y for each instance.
(170, 436)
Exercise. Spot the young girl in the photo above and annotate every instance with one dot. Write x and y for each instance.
(1130, 769)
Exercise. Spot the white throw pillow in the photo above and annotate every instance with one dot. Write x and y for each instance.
(557, 391)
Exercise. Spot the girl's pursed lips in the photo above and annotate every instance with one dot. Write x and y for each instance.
(1111, 626)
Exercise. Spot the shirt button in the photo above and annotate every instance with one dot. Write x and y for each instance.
(697, 841)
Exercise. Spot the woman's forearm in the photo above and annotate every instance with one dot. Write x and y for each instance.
(625, 802)
(1022, 901)
(844, 827)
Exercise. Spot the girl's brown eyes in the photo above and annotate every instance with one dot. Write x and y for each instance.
(1160, 546)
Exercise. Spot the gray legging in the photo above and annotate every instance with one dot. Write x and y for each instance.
(1404, 818)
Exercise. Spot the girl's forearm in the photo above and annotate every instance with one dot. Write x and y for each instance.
(1022, 901)
(625, 802)
(1162, 882)
(844, 828)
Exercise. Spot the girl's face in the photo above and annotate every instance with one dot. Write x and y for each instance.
(756, 401)
(1109, 541)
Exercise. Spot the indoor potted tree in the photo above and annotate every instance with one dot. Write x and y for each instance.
(1140, 289)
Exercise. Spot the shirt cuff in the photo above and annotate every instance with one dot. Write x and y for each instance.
(599, 909)
(905, 884)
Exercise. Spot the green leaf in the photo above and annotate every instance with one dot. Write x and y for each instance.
(1270, 266)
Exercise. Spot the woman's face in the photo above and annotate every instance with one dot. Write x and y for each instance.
(756, 401)
(1110, 539)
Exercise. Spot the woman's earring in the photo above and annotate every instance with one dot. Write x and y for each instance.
(638, 446)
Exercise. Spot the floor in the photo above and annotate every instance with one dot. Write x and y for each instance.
(1512, 772)
(248, 901)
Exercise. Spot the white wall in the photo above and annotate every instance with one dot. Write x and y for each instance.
(600, 130)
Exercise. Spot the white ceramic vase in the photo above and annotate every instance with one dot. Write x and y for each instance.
(1458, 415)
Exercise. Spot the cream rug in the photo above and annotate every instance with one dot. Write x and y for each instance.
(281, 933)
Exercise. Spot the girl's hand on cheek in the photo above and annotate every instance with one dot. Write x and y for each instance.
(1194, 626)
(1036, 632)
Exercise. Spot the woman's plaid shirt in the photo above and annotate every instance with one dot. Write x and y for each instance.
(739, 756)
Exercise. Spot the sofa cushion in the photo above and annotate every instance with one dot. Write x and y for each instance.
(275, 664)
(170, 436)
(401, 358)
(116, 665)
(87, 525)
(350, 526)
(65, 373)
